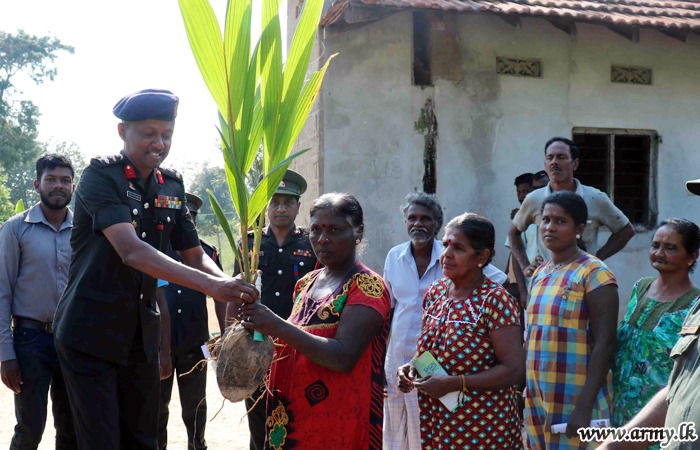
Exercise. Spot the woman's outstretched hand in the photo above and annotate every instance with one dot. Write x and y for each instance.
(407, 373)
(258, 317)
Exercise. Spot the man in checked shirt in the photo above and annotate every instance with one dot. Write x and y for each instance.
(34, 257)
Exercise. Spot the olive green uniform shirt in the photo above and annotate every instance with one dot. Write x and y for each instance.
(684, 385)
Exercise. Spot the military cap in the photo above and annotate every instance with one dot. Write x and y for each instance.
(193, 202)
(693, 186)
(292, 184)
(147, 104)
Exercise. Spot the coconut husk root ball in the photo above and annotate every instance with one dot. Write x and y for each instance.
(242, 363)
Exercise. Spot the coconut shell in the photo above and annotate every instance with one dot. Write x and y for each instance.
(242, 363)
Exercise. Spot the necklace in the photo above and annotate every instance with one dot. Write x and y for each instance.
(561, 264)
(470, 306)
(332, 287)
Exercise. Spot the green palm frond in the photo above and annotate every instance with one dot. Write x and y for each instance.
(259, 100)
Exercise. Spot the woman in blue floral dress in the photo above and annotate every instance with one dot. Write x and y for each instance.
(655, 316)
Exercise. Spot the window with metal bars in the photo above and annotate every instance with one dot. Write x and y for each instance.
(621, 163)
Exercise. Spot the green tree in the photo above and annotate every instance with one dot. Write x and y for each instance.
(213, 178)
(69, 149)
(6, 208)
(19, 150)
(33, 56)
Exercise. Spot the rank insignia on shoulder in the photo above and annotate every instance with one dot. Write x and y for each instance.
(172, 173)
(306, 253)
(169, 202)
(110, 159)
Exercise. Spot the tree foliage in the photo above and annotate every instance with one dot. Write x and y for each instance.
(28, 54)
(6, 208)
(213, 178)
(19, 150)
(33, 56)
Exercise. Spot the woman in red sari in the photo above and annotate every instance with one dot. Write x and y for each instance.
(326, 384)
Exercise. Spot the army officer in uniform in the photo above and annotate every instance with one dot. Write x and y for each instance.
(189, 325)
(285, 256)
(107, 325)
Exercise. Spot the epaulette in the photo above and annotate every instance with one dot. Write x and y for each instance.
(172, 173)
(108, 160)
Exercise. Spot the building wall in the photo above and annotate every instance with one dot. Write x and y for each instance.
(493, 127)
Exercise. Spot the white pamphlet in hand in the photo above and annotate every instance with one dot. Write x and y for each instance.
(598, 423)
(426, 365)
(207, 355)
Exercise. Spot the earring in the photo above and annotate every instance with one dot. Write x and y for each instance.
(578, 236)
(357, 242)
(481, 265)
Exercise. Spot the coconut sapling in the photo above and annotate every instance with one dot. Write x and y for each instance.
(258, 99)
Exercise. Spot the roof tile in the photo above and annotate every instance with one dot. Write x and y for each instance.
(669, 14)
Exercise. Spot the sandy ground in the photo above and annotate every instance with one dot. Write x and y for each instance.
(229, 430)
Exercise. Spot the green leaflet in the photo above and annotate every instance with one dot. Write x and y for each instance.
(19, 207)
(297, 65)
(204, 35)
(267, 187)
(224, 223)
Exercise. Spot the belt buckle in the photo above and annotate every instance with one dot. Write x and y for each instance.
(48, 328)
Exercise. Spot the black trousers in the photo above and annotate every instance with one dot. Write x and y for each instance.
(256, 420)
(114, 406)
(193, 391)
(38, 365)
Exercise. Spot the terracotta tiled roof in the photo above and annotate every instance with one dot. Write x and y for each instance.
(663, 14)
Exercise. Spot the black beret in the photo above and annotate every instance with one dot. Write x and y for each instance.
(147, 104)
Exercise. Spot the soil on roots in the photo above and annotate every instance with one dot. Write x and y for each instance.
(242, 363)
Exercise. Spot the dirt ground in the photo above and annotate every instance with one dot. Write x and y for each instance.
(229, 430)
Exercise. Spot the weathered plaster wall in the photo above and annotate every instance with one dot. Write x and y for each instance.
(371, 148)
(493, 127)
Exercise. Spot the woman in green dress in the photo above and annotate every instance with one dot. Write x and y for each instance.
(655, 316)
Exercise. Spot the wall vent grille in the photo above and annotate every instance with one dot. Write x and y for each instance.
(632, 75)
(520, 67)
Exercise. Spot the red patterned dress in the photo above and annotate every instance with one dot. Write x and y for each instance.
(312, 407)
(456, 333)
